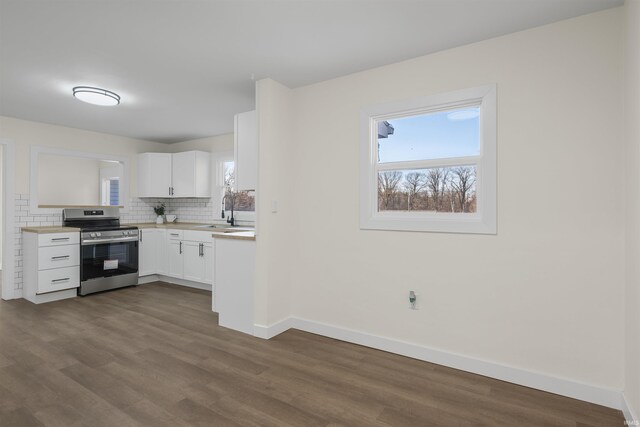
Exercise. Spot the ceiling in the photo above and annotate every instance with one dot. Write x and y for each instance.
(184, 68)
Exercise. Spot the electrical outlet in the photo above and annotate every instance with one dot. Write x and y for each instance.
(413, 300)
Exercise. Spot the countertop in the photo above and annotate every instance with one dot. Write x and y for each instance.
(242, 234)
(50, 229)
(171, 225)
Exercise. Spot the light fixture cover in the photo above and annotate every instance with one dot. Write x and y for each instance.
(96, 96)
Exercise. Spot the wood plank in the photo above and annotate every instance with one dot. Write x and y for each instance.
(153, 355)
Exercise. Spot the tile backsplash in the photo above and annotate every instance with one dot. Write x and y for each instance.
(139, 211)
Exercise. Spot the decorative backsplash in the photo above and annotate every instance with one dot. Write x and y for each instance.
(139, 211)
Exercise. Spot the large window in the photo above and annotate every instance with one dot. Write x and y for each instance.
(430, 164)
(243, 201)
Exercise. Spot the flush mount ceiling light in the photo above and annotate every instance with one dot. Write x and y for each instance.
(96, 96)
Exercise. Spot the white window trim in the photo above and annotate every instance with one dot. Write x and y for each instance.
(483, 221)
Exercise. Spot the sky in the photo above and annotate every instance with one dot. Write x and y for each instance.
(433, 136)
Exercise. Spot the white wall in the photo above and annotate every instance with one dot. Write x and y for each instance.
(27, 133)
(58, 174)
(1, 203)
(212, 144)
(546, 293)
(632, 386)
(275, 231)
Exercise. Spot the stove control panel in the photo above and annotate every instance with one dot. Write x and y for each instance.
(108, 236)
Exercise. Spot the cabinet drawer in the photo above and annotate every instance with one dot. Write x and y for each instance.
(198, 236)
(175, 234)
(56, 239)
(58, 279)
(58, 256)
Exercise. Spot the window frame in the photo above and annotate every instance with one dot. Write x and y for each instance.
(219, 159)
(483, 221)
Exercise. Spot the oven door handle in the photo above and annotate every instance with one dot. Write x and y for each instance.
(116, 240)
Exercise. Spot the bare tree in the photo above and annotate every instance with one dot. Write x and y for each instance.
(229, 175)
(434, 180)
(388, 186)
(462, 184)
(438, 185)
(415, 183)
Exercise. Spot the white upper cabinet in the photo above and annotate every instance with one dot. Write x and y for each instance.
(191, 175)
(154, 175)
(185, 174)
(246, 150)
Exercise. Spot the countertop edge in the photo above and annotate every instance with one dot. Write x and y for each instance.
(49, 229)
(241, 235)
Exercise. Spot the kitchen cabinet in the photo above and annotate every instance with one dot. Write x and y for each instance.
(186, 174)
(198, 262)
(175, 259)
(246, 150)
(151, 251)
(234, 278)
(190, 255)
(154, 175)
(191, 175)
(51, 266)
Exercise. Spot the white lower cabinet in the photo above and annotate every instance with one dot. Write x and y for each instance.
(198, 261)
(190, 255)
(51, 266)
(235, 283)
(193, 267)
(180, 254)
(208, 262)
(151, 251)
(175, 259)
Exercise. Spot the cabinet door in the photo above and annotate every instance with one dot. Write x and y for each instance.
(208, 263)
(151, 251)
(183, 173)
(162, 251)
(175, 258)
(246, 150)
(193, 262)
(154, 174)
(147, 252)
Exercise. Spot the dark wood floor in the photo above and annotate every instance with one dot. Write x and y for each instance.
(154, 355)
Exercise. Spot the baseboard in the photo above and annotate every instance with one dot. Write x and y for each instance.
(147, 279)
(629, 414)
(562, 386)
(267, 332)
(175, 281)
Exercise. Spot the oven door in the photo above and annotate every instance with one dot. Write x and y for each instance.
(108, 259)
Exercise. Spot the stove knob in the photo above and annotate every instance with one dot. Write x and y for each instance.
(92, 234)
(125, 233)
(98, 234)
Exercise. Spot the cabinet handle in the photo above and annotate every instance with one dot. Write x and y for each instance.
(169, 190)
(141, 235)
(58, 239)
(58, 258)
(174, 234)
(200, 250)
(60, 280)
(180, 247)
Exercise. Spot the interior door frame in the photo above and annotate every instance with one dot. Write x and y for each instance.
(8, 212)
